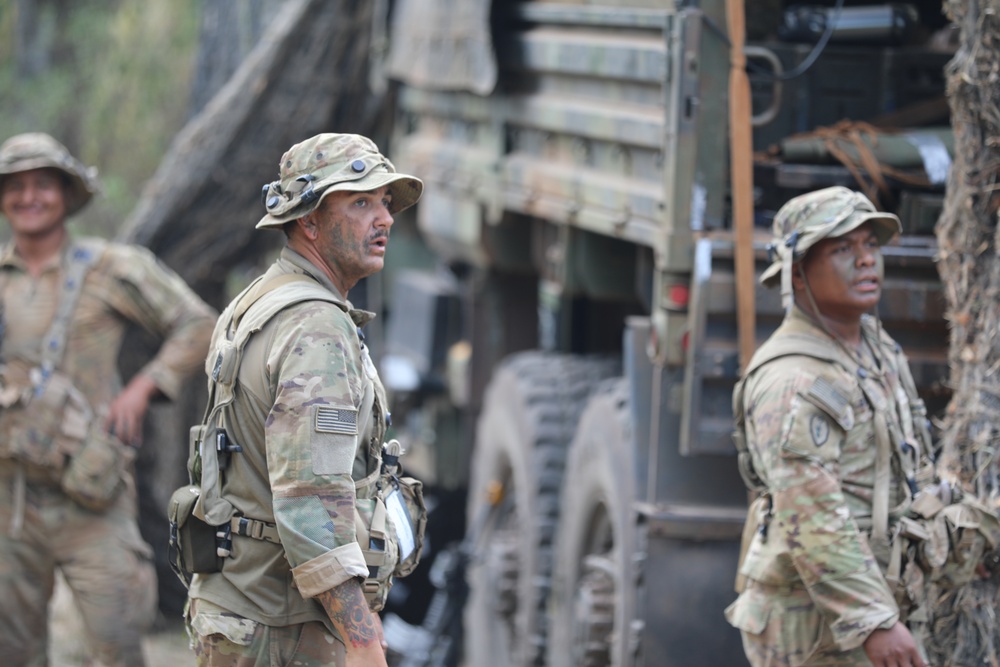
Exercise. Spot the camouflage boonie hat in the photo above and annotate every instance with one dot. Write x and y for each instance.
(828, 213)
(327, 163)
(37, 150)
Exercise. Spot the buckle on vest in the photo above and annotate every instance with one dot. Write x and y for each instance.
(249, 528)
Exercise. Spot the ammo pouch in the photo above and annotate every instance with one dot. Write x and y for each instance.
(191, 548)
(43, 427)
(54, 427)
(95, 475)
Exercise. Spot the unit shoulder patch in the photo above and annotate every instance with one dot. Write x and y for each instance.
(819, 428)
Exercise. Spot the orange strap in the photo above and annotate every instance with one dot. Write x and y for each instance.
(741, 175)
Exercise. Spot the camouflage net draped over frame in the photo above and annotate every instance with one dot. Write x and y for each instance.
(963, 623)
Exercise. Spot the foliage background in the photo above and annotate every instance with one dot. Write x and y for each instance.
(111, 79)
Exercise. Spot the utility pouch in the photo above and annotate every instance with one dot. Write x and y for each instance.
(192, 545)
(378, 548)
(95, 474)
(405, 506)
(46, 423)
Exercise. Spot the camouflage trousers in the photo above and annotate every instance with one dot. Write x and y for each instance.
(101, 556)
(222, 639)
(781, 627)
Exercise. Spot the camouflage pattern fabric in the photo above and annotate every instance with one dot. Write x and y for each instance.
(312, 169)
(102, 558)
(308, 413)
(222, 639)
(105, 562)
(815, 588)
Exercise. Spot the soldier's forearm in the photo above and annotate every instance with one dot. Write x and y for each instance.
(348, 610)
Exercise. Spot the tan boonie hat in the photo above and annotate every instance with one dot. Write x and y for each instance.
(807, 219)
(326, 163)
(37, 150)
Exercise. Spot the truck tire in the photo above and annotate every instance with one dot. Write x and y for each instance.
(594, 583)
(529, 415)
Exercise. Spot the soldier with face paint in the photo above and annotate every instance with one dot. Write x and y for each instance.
(833, 436)
(311, 555)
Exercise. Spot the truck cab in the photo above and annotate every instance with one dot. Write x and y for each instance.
(571, 330)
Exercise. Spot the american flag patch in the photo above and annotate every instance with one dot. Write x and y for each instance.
(336, 420)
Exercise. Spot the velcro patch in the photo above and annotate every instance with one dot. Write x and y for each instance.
(336, 420)
(832, 400)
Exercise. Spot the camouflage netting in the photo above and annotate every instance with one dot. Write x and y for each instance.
(964, 628)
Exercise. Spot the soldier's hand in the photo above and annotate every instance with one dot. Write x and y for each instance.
(126, 412)
(894, 647)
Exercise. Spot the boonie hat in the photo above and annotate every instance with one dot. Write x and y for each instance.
(326, 163)
(37, 150)
(807, 219)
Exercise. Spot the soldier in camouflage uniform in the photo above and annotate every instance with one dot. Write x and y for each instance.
(50, 411)
(836, 441)
(305, 405)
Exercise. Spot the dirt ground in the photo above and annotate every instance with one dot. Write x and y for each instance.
(164, 648)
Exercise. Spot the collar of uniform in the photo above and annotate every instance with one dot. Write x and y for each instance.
(303, 265)
(9, 257)
(799, 321)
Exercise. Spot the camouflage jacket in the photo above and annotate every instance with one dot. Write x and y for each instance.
(308, 412)
(817, 460)
(126, 285)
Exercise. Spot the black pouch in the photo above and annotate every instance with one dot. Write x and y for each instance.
(192, 548)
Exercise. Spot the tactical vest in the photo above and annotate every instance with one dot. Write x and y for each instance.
(904, 442)
(377, 533)
(50, 423)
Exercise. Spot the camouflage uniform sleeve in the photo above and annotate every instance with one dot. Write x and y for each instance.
(312, 435)
(798, 438)
(148, 293)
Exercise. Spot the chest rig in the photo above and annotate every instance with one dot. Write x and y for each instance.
(211, 447)
(902, 440)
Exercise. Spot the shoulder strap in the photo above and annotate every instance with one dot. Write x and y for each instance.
(253, 309)
(782, 345)
(83, 254)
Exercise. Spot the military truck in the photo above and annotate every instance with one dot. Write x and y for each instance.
(577, 340)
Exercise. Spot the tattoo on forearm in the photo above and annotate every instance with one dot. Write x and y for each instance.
(349, 612)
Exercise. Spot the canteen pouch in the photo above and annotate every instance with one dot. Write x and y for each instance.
(95, 474)
(192, 548)
(405, 506)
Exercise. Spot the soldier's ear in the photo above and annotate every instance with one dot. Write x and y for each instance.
(309, 226)
(798, 276)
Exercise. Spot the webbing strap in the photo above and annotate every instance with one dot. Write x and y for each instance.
(83, 254)
(258, 530)
(259, 289)
(215, 508)
(883, 475)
